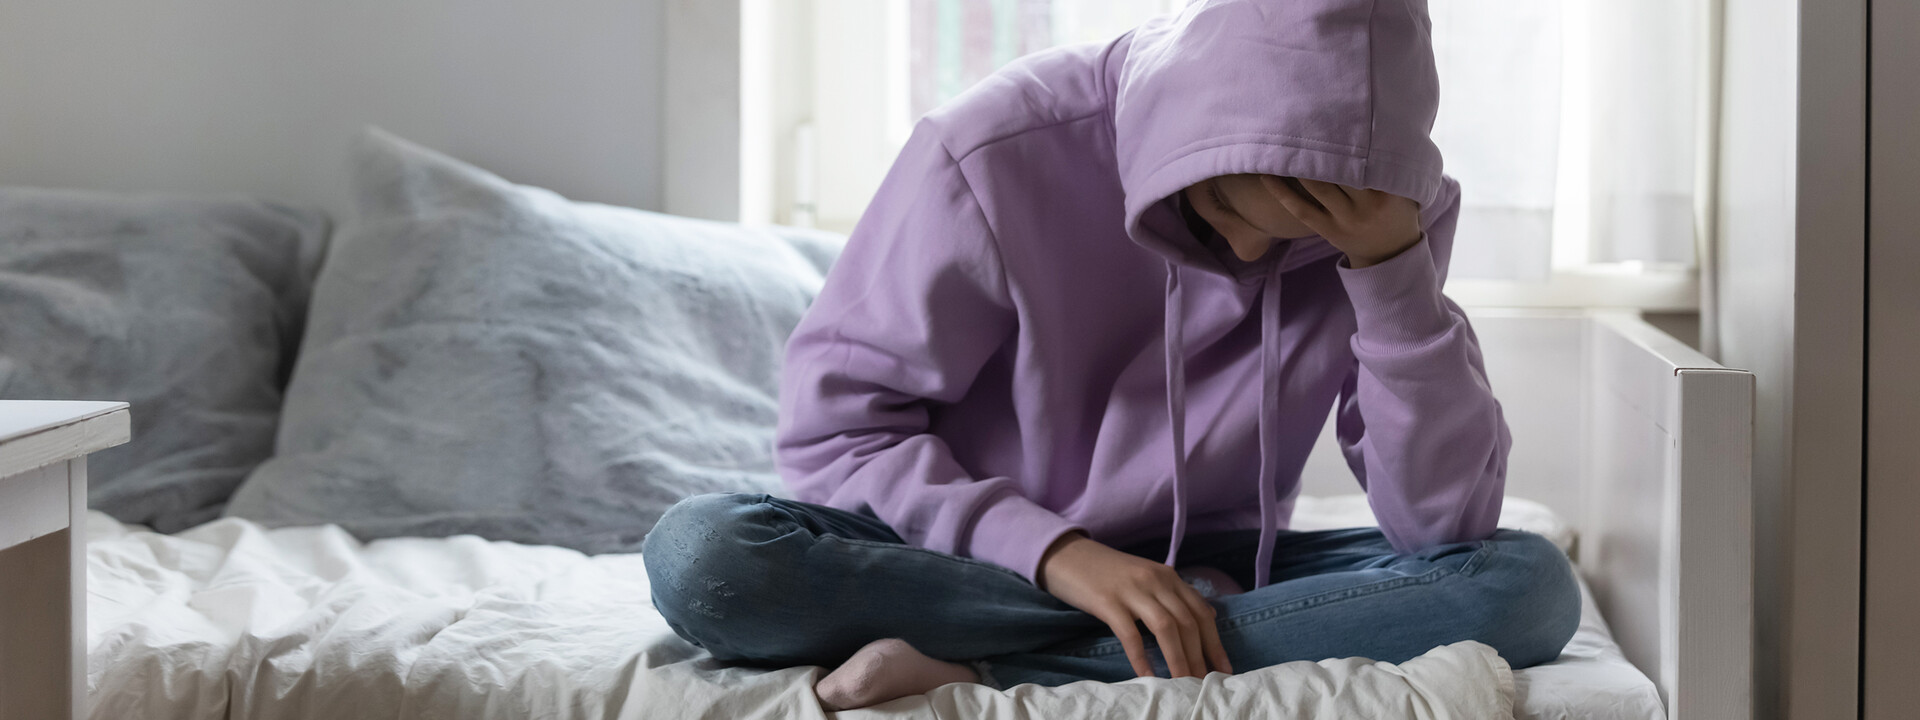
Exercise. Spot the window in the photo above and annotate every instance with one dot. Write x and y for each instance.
(1574, 126)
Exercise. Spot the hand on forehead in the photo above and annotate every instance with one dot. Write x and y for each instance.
(1241, 206)
(1250, 211)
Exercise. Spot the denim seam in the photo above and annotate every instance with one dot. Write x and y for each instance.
(1333, 596)
(1471, 567)
(928, 551)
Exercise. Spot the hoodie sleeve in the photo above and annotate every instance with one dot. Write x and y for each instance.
(913, 309)
(1418, 422)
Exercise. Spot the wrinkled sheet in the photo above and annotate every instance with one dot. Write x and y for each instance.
(231, 619)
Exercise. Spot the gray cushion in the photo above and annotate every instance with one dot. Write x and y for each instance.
(188, 308)
(494, 359)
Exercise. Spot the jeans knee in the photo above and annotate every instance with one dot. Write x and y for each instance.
(702, 558)
(1532, 606)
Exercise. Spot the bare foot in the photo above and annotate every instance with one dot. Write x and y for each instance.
(885, 670)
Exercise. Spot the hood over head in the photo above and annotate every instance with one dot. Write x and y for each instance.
(1343, 91)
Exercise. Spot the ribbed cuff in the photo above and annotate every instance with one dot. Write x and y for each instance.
(1398, 302)
(1014, 533)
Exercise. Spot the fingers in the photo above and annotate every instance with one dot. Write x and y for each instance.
(1189, 626)
(1303, 207)
(1204, 614)
(1228, 223)
(1165, 633)
(1331, 196)
(1154, 595)
(1121, 622)
(1176, 630)
(1293, 183)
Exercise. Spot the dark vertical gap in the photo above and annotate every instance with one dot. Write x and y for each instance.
(1866, 359)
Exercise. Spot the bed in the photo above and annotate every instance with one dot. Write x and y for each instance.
(435, 372)
(1645, 487)
(234, 620)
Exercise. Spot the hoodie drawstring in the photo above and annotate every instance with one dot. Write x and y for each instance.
(1268, 427)
(1177, 408)
(1269, 421)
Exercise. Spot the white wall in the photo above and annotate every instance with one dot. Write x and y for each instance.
(1790, 251)
(1535, 363)
(262, 96)
(702, 109)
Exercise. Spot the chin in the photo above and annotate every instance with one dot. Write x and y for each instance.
(1255, 255)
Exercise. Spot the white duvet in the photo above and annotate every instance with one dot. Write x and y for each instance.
(231, 620)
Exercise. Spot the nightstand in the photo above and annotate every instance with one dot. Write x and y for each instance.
(43, 550)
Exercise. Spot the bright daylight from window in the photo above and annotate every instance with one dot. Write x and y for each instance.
(1557, 117)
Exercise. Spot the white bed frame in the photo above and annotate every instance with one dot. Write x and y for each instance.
(1645, 445)
(1667, 529)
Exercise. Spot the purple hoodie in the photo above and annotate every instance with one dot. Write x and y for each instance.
(1023, 338)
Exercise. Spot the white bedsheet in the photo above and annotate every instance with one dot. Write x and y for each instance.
(233, 620)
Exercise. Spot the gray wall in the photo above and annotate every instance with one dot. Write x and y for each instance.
(1791, 267)
(1891, 629)
(1755, 281)
(262, 96)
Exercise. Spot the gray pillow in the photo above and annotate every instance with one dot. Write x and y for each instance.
(188, 308)
(494, 359)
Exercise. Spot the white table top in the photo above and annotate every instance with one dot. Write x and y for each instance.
(37, 432)
(25, 417)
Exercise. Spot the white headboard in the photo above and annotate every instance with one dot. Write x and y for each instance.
(1646, 446)
(263, 96)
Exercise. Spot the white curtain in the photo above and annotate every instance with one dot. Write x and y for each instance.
(1571, 124)
(1647, 94)
(1500, 130)
(1582, 108)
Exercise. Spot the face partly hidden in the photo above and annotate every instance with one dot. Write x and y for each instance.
(1245, 212)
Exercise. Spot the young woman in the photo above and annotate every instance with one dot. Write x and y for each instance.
(1047, 418)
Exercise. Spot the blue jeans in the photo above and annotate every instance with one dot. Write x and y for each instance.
(761, 580)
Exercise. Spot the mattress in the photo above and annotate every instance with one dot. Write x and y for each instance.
(230, 619)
